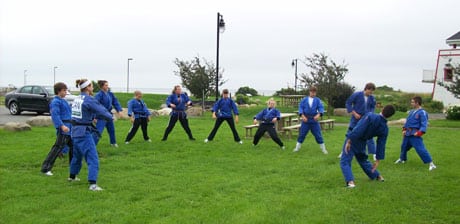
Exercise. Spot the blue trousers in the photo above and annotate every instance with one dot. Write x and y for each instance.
(417, 143)
(358, 149)
(305, 127)
(84, 147)
(100, 125)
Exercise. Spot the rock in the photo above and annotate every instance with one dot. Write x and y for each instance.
(16, 126)
(163, 106)
(154, 113)
(243, 105)
(40, 121)
(165, 111)
(401, 121)
(341, 112)
(194, 111)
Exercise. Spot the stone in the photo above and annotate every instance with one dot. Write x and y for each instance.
(40, 121)
(165, 111)
(341, 112)
(194, 111)
(16, 126)
(154, 113)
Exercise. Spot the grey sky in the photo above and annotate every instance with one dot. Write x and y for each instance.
(387, 42)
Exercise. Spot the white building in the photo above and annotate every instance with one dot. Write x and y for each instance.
(448, 59)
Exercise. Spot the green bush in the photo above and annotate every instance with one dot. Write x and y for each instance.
(433, 106)
(453, 113)
(247, 90)
(242, 99)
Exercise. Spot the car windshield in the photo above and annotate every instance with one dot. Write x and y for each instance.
(49, 89)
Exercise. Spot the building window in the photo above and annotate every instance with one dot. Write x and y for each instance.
(448, 73)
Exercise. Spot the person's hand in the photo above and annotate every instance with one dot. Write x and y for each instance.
(274, 120)
(375, 165)
(65, 128)
(148, 119)
(316, 117)
(404, 132)
(418, 134)
(172, 105)
(356, 115)
(255, 121)
(304, 119)
(236, 119)
(347, 146)
(132, 119)
(214, 115)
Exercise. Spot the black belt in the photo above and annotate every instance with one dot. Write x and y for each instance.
(67, 121)
(81, 124)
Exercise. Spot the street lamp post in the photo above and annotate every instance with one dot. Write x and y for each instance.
(54, 79)
(294, 64)
(127, 82)
(220, 28)
(25, 77)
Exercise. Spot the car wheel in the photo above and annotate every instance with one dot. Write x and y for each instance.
(14, 108)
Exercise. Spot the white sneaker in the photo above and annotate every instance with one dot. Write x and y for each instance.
(399, 161)
(283, 148)
(240, 142)
(324, 151)
(295, 149)
(114, 145)
(206, 141)
(432, 167)
(148, 140)
(49, 173)
(94, 187)
(126, 143)
(73, 180)
(339, 156)
(351, 184)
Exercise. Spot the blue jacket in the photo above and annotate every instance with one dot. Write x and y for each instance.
(309, 112)
(369, 126)
(84, 109)
(107, 99)
(224, 108)
(61, 113)
(181, 105)
(417, 120)
(266, 115)
(357, 103)
(138, 108)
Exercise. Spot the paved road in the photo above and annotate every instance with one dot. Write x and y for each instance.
(6, 117)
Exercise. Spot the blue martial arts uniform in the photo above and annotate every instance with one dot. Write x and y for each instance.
(138, 109)
(223, 109)
(360, 105)
(417, 120)
(178, 113)
(369, 126)
(84, 109)
(61, 115)
(311, 124)
(108, 100)
(265, 118)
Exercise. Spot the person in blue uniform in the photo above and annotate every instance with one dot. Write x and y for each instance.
(369, 126)
(61, 115)
(139, 115)
(109, 101)
(267, 119)
(84, 109)
(358, 104)
(222, 111)
(413, 130)
(310, 111)
(178, 102)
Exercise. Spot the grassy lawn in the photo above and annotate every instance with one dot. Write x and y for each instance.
(182, 181)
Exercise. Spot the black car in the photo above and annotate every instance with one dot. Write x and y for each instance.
(31, 98)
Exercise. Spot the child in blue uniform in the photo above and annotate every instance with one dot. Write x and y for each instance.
(267, 119)
(108, 100)
(60, 114)
(178, 102)
(139, 115)
(84, 109)
(415, 127)
(358, 104)
(369, 126)
(310, 110)
(222, 111)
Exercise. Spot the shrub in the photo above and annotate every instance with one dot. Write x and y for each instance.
(453, 113)
(247, 90)
(242, 99)
(433, 106)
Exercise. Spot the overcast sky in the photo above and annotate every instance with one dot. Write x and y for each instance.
(387, 42)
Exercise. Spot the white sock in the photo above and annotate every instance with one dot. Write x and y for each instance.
(322, 146)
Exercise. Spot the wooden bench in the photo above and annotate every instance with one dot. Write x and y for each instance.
(249, 128)
(327, 124)
(289, 129)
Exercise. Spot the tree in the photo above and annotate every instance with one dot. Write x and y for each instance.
(454, 85)
(199, 79)
(326, 75)
(247, 90)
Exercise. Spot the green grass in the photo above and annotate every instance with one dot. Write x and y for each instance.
(182, 181)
